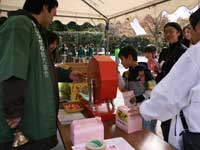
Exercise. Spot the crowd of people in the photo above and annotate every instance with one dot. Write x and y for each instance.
(73, 53)
(175, 99)
(166, 88)
(64, 51)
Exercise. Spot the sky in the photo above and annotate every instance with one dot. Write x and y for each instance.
(181, 12)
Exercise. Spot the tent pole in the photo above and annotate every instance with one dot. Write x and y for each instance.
(107, 37)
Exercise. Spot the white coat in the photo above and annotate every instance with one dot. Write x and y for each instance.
(180, 89)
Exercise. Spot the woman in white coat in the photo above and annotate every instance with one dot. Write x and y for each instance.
(179, 90)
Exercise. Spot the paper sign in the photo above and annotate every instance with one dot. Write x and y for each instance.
(127, 96)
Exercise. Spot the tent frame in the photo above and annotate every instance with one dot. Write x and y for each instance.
(106, 18)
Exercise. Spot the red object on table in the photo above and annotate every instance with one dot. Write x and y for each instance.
(104, 72)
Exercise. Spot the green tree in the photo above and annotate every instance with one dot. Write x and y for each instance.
(57, 26)
(138, 42)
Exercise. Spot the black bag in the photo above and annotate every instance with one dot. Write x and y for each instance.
(191, 140)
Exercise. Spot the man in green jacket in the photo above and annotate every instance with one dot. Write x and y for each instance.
(28, 84)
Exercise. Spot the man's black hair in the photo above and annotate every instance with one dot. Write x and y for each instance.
(177, 27)
(128, 50)
(35, 6)
(195, 18)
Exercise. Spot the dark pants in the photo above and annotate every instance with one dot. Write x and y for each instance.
(44, 144)
(165, 126)
(6, 146)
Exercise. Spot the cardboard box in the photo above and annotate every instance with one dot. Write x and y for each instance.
(84, 130)
(82, 67)
(127, 121)
(70, 91)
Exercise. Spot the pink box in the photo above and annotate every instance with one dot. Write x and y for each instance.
(127, 121)
(84, 130)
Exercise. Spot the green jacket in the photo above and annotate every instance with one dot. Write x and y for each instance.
(23, 57)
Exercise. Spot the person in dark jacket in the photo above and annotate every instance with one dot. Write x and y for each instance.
(28, 84)
(140, 79)
(62, 74)
(187, 37)
(173, 34)
(52, 39)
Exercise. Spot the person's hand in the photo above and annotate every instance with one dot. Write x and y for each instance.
(14, 122)
(123, 89)
(77, 76)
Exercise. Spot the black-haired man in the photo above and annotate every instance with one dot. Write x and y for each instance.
(28, 86)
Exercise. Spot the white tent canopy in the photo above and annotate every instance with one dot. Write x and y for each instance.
(94, 11)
